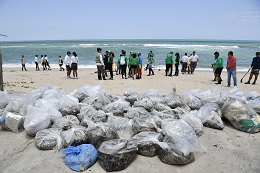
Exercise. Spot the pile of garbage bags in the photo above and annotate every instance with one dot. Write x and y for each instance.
(89, 124)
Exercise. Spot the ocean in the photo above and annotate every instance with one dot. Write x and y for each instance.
(243, 50)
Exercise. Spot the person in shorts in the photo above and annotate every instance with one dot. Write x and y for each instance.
(61, 63)
(194, 60)
(218, 65)
(74, 65)
(36, 63)
(185, 60)
(255, 66)
(23, 63)
(67, 62)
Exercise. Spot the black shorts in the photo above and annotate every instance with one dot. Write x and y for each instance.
(218, 71)
(133, 66)
(184, 65)
(68, 68)
(193, 64)
(74, 66)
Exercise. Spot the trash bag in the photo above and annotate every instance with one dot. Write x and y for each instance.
(241, 115)
(173, 99)
(81, 157)
(85, 109)
(66, 122)
(194, 122)
(123, 126)
(100, 133)
(75, 136)
(101, 95)
(118, 108)
(149, 93)
(116, 154)
(97, 106)
(69, 105)
(182, 135)
(48, 139)
(114, 97)
(255, 105)
(210, 116)
(36, 119)
(38, 93)
(14, 122)
(145, 103)
(4, 99)
(80, 93)
(144, 124)
(52, 107)
(147, 143)
(2, 122)
(172, 155)
(19, 105)
(51, 94)
(189, 97)
(97, 116)
(137, 112)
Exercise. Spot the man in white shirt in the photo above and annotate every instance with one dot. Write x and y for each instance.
(67, 62)
(100, 64)
(194, 60)
(47, 62)
(36, 63)
(185, 60)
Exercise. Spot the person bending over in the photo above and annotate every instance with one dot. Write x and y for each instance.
(255, 66)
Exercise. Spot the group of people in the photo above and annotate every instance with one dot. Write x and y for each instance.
(44, 62)
(134, 62)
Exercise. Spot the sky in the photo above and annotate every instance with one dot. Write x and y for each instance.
(136, 19)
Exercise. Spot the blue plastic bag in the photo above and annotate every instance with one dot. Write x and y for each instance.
(2, 120)
(83, 155)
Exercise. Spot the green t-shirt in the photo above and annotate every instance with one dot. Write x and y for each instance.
(133, 61)
(110, 59)
(218, 62)
(169, 58)
(177, 59)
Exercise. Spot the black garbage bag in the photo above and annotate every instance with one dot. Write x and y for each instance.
(48, 139)
(147, 143)
(116, 154)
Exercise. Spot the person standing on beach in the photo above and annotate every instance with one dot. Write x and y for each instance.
(194, 60)
(169, 62)
(139, 66)
(47, 62)
(231, 68)
(23, 63)
(185, 60)
(150, 62)
(106, 62)
(218, 65)
(61, 63)
(43, 62)
(110, 64)
(67, 62)
(129, 66)
(123, 64)
(177, 63)
(74, 65)
(36, 63)
(100, 64)
(255, 66)
(133, 64)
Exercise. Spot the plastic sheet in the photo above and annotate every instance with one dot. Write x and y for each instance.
(36, 119)
(49, 139)
(116, 154)
(241, 115)
(81, 157)
(69, 105)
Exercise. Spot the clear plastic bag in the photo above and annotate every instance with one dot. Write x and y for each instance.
(241, 115)
(4, 99)
(38, 93)
(118, 108)
(137, 112)
(182, 135)
(254, 104)
(49, 139)
(69, 105)
(84, 156)
(144, 124)
(75, 136)
(194, 122)
(66, 122)
(189, 97)
(51, 94)
(145, 103)
(52, 107)
(36, 119)
(116, 154)
(97, 116)
(14, 122)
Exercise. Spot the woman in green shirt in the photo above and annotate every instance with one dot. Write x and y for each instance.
(133, 64)
(110, 64)
(177, 63)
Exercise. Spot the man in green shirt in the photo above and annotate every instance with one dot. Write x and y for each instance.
(218, 65)
(169, 61)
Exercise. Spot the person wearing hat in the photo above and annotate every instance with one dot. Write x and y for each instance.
(255, 66)
(133, 64)
(100, 64)
(169, 61)
(110, 64)
(218, 66)
(150, 63)
(67, 62)
(139, 65)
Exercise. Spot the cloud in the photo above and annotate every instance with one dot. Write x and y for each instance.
(253, 16)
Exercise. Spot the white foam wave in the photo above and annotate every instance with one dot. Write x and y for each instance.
(188, 46)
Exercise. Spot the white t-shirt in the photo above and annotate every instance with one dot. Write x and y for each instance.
(74, 59)
(185, 59)
(46, 58)
(67, 60)
(36, 59)
(194, 58)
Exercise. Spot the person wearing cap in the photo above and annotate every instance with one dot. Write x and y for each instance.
(194, 60)
(123, 64)
(139, 66)
(110, 64)
(133, 64)
(231, 68)
(67, 62)
(100, 64)
(169, 61)
(150, 62)
(255, 66)
(218, 66)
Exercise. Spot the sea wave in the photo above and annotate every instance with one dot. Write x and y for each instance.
(189, 46)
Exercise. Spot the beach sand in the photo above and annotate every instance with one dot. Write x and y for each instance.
(228, 150)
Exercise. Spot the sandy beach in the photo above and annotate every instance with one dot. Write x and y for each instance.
(228, 150)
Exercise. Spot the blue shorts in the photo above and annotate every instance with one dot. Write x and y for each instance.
(23, 65)
(60, 65)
